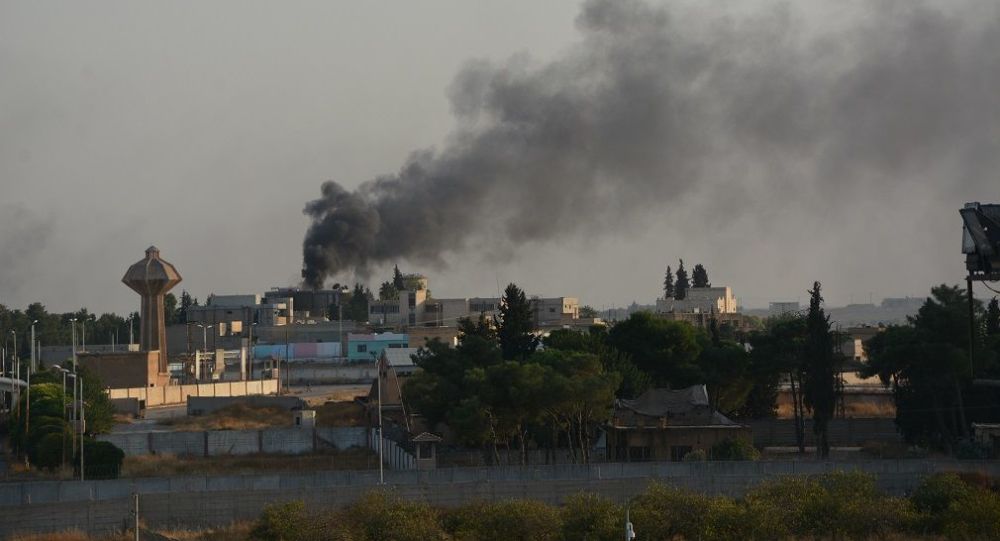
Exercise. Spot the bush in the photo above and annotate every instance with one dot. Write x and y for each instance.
(589, 517)
(937, 492)
(102, 460)
(664, 512)
(840, 504)
(975, 515)
(698, 455)
(48, 452)
(734, 449)
(289, 521)
(515, 520)
(382, 516)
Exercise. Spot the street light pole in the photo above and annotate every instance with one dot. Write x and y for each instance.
(83, 422)
(131, 319)
(31, 365)
(72, 323)
(17, 365)
(378, 396)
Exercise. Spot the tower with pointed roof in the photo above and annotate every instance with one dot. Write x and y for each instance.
(152, 278)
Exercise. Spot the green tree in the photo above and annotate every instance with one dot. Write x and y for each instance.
(397, 279)
(926, 363)
(482, 327)
(819, 387)
(668, 284)
(170, 315)
(778, 354)
(387, 291)
(186, 303)
(357, 306)
(992, 326)
(681, 285)
(699, 276)
(587, 312)
(665, 350)
(515, 324)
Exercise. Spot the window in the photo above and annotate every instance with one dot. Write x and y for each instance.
(677, 452)
(424, 450)
(362, 348)
(636, 454)
(395, 346)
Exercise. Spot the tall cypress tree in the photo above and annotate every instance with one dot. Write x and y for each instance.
(699, 276)
(820, 384)
(993, 318)
(515, 325)
(681, 285)
(668, 284)
(397, 279)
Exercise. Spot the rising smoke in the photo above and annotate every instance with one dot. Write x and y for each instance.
(652, 107)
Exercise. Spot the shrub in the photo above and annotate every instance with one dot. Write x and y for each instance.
(382, 516)
(289, 521)
(937, 492)
(664, 512)
(734, 449)
(516, 520)
(589, 517)
(48, 451)
(102, 460)
(975, 515)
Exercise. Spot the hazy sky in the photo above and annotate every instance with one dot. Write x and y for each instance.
(831, 143)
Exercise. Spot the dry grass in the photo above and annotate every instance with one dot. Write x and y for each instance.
(234, 532)
(340, 414)
(336, 394)
(235, 417)
(72, 535)
(855, 406)
(169, 465)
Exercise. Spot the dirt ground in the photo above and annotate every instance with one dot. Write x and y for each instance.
(169, 465)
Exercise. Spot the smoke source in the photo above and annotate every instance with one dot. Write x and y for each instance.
(655, 107)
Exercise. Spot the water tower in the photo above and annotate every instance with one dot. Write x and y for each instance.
(152, 278)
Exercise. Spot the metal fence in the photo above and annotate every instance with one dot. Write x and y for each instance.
(695, 475)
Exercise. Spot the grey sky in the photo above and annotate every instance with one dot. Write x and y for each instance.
(204, 128)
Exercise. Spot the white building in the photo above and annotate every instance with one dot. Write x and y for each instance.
(701, 300)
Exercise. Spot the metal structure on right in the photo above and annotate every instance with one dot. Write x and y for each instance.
(981, 246)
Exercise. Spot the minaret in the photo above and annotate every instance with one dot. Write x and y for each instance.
(152, 278)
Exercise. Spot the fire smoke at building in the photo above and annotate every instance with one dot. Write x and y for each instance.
(656, 108)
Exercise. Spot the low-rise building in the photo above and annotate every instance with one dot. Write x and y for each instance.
(719, 300)
(365, 347)
(664, 424)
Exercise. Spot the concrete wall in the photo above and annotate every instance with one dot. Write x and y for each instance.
(102, 506)
(201, 405)
(122, 370)
(843, 432)
(285, 441)
(178, 394)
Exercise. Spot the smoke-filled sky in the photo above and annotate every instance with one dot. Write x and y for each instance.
(573, 148)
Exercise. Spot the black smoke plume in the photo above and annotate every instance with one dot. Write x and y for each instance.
(656, 106)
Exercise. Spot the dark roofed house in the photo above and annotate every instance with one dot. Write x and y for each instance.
(664, 424)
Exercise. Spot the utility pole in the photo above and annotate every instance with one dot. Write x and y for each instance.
(135, 513)
(378, 395)
(83, 422)
(31, 365)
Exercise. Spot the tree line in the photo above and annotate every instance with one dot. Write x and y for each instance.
(497, 389)
(830, 506)
(676, 286)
